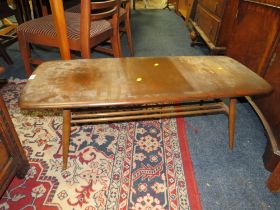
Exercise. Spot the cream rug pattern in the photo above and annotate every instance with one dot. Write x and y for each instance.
(130, 165)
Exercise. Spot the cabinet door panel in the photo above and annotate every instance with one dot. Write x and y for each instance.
(214, 6)
(209, 24)
(255, 30)
(184, 8)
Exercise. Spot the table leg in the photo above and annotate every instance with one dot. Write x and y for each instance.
(273, 182)
(231, 126)
(66, 136)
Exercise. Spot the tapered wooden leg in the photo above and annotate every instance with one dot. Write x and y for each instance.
(25, 53)
(273, 182)
(5, 55)
(128, 34)
(66, 136)
(231, 126)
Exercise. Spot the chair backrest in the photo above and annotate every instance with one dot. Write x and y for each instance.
(93, 11)
(42, 7)
(104, 9)
(5, 10)
(126, 4)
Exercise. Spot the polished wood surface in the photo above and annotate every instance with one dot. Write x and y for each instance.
(131, 81)
(250, 45)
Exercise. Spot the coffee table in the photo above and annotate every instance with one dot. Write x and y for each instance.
(117, 89)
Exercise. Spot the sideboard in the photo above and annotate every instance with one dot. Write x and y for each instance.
(255, 42)
(184, 7)
(248, 31)
(212, 20)
(12, 157)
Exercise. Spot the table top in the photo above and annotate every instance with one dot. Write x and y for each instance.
(138, 80)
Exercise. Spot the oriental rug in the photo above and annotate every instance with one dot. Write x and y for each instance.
(131, 165)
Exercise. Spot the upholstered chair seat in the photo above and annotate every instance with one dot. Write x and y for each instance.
(43, 28)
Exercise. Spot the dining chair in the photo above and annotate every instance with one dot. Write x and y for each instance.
(85, 31)
(8, 34)
(124, 20)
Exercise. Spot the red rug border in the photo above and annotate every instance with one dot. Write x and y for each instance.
(193, 192)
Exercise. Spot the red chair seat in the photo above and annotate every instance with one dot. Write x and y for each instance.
(44, 26)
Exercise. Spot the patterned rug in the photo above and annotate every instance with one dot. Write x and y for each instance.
(132, 165)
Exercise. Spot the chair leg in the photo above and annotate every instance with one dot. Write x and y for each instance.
(128, 35)
(25, 54)
(86, 54)
(116, 45)
(5, 55)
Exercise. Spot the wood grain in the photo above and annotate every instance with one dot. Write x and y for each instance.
(132, 81)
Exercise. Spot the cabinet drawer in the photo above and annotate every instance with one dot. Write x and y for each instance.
(207, 23)
(214, 6)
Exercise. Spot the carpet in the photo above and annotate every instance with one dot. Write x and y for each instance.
(131, 165)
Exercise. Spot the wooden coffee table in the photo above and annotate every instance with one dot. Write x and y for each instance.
(117, 89)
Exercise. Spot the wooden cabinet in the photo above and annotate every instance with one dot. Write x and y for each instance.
(254, 35)
(269, 105)
(208, 23)
(213, 21)
(216, 7)
(184, 7)
(255, 42)
(12, 158)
